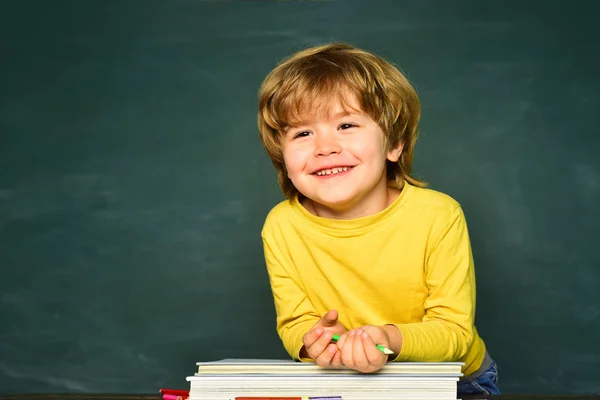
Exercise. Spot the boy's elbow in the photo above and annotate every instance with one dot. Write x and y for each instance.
(463, 339)
(290, 333)
(286, 342)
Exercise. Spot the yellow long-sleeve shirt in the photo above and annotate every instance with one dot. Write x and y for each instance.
(409, 265)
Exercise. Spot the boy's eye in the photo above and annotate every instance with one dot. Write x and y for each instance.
(346, 126)
(301, 134)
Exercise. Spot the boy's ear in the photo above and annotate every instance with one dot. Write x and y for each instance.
(394, 154)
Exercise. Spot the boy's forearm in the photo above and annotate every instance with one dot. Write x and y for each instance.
(291, 336)
(433, 340)
(395, 337)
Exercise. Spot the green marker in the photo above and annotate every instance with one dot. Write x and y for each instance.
(384, 349)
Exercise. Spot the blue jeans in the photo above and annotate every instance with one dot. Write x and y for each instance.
(486, 383)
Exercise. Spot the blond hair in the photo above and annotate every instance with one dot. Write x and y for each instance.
(322, 73)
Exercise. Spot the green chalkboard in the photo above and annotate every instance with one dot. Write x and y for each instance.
(133, 186)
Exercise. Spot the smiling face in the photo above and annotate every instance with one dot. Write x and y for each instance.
(337, 159)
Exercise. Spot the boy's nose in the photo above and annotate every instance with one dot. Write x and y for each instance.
(326, 146)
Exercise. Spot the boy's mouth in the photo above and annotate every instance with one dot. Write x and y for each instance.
(331, 171)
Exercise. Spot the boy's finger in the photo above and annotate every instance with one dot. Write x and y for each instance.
(336, 361)
(312, 336)
(326, 356)
(376, 333)
(347, 349)
(372, 353)
(358, 351)
(317, 342)
(329, 319)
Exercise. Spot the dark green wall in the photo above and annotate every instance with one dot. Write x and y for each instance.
(133, 186)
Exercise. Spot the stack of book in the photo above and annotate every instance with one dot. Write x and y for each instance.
(232, 379)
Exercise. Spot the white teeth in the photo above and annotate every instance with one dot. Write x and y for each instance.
(332, 171)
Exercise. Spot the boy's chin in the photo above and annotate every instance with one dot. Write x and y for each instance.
(339, 203)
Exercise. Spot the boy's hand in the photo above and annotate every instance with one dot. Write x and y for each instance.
(317, 341)
(359, 351)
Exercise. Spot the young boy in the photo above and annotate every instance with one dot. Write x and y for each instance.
(360, 248)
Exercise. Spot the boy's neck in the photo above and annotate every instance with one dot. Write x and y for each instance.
(369, 207)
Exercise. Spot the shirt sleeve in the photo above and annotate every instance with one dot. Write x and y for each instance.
(295, 312)
(446, 331)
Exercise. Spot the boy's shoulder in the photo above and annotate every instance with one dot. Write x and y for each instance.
(433, 208)
(284, 207)
(281, 211)
(433, 199)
